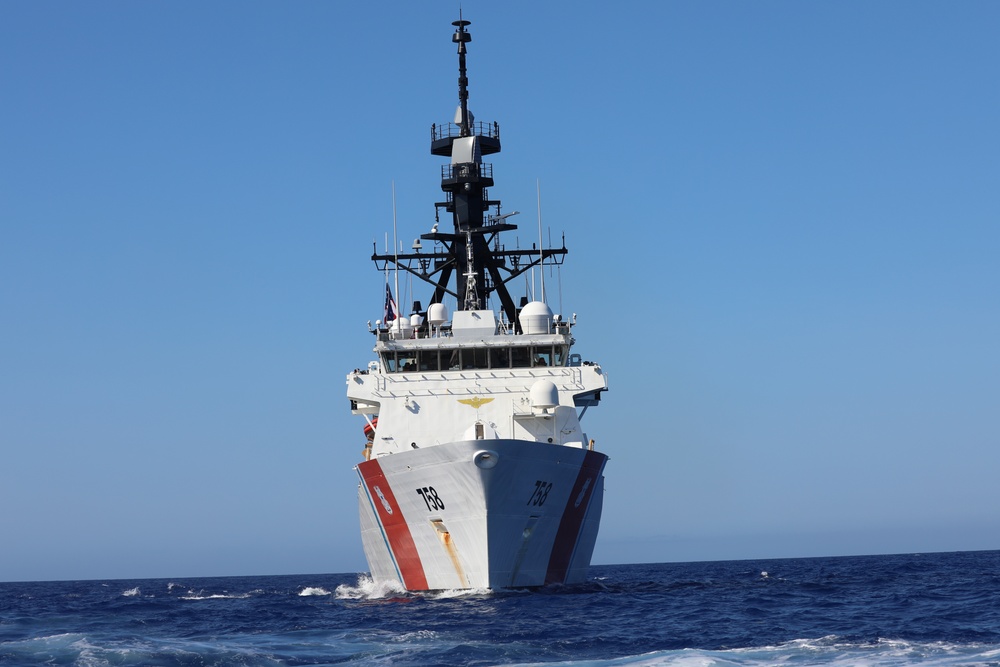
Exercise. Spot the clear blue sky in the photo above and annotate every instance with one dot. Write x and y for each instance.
(784, 232)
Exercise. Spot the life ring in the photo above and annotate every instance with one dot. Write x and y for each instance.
(370, 429)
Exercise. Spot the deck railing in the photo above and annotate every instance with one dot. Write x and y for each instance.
(480, 129)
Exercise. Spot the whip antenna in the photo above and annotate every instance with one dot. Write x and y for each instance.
(541, 248)
(395, 245)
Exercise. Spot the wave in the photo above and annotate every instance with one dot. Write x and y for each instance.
(76, 648)
(61, 649)
(132, 592)
(313, 590)
(80, 649)
(826, 652)
(201, 595)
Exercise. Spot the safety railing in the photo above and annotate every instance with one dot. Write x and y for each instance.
(449, 130)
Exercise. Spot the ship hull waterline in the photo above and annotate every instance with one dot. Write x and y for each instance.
(484, 514)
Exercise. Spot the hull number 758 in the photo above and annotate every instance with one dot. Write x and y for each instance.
(431, 498)
(540, 493)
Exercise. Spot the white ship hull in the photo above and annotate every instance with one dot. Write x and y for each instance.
(481, 514)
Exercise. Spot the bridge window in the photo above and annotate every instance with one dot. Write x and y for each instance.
(475, 358)
(520, 357)
(428, 360)
(541, 356)
(499, 357)
(389, 362)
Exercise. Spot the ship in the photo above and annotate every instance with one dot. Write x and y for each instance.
(476, 470)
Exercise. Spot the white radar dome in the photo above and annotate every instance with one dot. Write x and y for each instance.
(536, 318)
(437, 314)
(544, 395)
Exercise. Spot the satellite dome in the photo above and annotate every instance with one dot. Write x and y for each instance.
(536, 318)
(544, 395)
(437, 314)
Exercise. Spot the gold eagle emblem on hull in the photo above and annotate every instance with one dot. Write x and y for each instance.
(476, 401)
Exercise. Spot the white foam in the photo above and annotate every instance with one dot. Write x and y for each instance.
(313, 590)
(64, 649)
(132, 592)
(835, 652)
(200, 595)
(415, 637)
(369, 589)
(459, 593)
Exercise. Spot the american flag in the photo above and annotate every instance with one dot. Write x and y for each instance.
(391, 312)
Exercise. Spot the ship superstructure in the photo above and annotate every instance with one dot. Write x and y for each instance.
(477, 472)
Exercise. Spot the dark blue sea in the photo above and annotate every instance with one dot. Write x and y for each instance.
(916, 609)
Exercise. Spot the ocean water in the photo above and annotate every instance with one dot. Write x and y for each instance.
(916, 609)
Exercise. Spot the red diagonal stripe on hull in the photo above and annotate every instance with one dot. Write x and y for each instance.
(572, 518)
(394, 524)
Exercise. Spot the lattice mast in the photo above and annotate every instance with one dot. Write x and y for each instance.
(466, 252)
